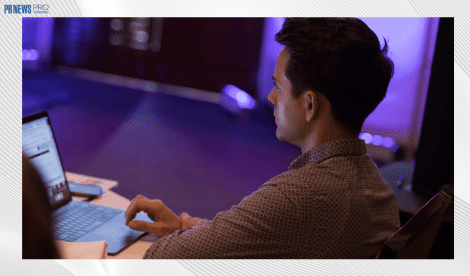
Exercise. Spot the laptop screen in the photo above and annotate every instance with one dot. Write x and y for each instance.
(40, 148)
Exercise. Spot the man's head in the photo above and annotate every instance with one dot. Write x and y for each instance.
(337, 59)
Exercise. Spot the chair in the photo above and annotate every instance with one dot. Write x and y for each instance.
(415, 239)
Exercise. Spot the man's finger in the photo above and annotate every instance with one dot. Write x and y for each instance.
(136, 205)
(139, 225)
(184, 215)
(130, 213)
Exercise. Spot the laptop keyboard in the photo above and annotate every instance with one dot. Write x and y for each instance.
(72, 222)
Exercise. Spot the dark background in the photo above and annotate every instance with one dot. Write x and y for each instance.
(201, 53)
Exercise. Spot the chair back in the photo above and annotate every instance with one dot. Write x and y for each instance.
(415, 239)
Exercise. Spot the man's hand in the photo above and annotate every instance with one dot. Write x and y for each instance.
(189, 222)
(165, 221)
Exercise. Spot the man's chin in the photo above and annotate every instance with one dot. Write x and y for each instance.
(279, 135)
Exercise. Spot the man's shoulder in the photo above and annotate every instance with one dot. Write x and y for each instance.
(334, 174)
(302, 178)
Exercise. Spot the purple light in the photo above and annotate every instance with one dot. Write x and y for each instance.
(411, 44)
(388, 142)
(26, 54)
(243, 99)
(34, 54)
(30, 54)
(366, 137)
(377, 140)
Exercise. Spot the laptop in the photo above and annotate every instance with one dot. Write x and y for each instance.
(73, 221)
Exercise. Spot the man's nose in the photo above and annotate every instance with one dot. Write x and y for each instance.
(272, 97)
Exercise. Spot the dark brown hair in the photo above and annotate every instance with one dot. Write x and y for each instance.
(340, 58)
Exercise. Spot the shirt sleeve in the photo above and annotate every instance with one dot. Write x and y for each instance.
(261, 226)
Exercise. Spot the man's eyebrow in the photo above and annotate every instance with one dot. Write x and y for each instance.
(274, 79)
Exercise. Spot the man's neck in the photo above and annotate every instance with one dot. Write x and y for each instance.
(322, 134)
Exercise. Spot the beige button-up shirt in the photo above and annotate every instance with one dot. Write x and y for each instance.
(331, 203)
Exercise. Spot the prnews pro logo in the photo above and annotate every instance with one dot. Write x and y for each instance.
(22, 9)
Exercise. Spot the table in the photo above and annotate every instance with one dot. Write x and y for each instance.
(111, 199)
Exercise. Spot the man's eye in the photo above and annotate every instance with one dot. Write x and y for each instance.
(275, 84)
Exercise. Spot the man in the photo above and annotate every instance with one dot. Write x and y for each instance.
(332, 202)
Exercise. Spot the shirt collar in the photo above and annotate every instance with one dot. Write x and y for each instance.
(340, 147)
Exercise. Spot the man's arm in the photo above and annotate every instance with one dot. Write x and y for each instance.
(261, 226)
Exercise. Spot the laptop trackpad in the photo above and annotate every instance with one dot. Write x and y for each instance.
(114, 230)
(116, 234)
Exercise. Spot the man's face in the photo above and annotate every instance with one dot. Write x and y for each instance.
(289, 112)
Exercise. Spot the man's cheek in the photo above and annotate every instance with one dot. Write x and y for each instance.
(280, 115)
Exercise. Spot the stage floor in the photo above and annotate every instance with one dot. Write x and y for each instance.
(191, 154)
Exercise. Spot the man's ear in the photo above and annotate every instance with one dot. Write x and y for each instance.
(311, 104)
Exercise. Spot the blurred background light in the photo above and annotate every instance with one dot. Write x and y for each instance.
(235, 100)
(366, 137)
(377, 140)
(116, 24)
(30, 54)
(244, 100)
(388, 142)
(115, 39)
